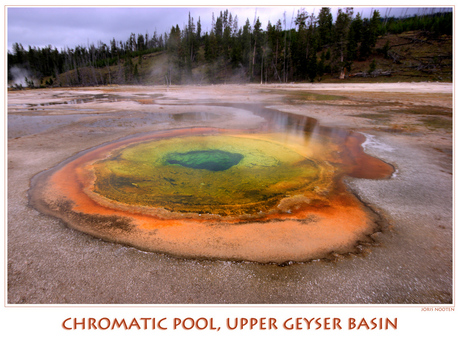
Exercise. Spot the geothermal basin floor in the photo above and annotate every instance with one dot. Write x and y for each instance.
(410, 261)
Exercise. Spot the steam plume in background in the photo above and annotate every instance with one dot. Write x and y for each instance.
(21, 76)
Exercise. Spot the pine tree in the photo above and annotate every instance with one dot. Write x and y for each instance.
(136, 73)
(341, 30)
(354, 37)
(321, 66)
(257, 52)
(325, 26)
(312, 66)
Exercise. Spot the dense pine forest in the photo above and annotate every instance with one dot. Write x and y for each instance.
(304, 48)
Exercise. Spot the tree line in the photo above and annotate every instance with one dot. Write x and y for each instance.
(304, 48)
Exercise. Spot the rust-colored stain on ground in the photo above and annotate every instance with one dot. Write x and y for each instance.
(272, 195)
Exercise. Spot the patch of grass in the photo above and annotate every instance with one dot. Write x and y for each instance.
(375, 116)
(437, 123)
(292, 96)
(424, 110)
(309, 96)
(404, 129)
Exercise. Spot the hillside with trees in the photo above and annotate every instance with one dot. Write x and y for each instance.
(306, 48)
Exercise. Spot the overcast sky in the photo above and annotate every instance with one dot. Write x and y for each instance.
(71, 26)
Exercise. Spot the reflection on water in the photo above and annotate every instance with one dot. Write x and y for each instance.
(62, 102)
(270, 194)
(199, 116)
(214, 160)
(74, 101)
(27, 123)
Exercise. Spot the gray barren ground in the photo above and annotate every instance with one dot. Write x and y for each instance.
(408, 125)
